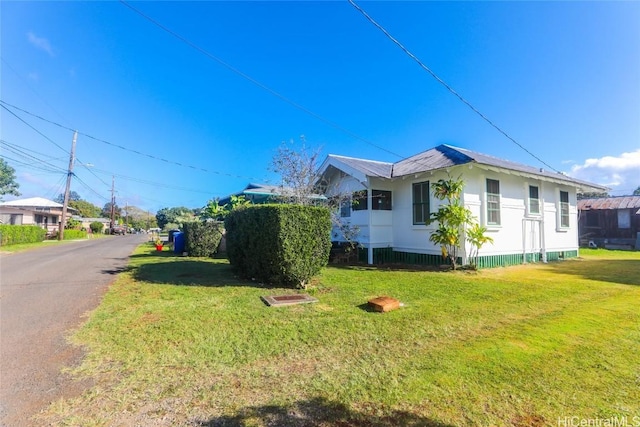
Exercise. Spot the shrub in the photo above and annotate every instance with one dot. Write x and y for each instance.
(202, 238)
(14, 234)
(283, 244)
(96, 227)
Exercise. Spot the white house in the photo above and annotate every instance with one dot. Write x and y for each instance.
(530, 213)
(33, 211)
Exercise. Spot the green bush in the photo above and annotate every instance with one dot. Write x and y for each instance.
(14, 234)
(279, 244)
(201, 239)
(96, 227)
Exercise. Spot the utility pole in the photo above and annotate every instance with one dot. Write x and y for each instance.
(65, 204)
(113, 203)
(126, 217)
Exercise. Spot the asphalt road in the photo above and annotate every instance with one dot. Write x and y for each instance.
(45, 294)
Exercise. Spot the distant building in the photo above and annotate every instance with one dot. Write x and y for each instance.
(262, 193)
(33, 211)
(610, 222)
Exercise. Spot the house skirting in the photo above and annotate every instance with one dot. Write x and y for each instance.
(390, 256)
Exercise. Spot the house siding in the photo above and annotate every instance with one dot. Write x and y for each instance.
(391, 256)
(520, 236)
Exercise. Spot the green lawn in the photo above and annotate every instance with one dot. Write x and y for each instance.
(180, 341)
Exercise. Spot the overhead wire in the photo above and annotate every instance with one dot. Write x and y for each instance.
(447, 86)
(278, 95)
(5, 104)
(85, 185)
(155, 184)
(54, 190)
(19, 152)
(22, 163)
(258, 83)
(33, 128)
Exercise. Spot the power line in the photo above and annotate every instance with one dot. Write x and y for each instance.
(443, 83)
(19, 152)
(53, 168)
(155, 184)
(4, 105)
(256, 82)
(36, 130)
(29, 165)
(85, 185)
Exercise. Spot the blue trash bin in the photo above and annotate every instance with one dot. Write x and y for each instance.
(178, 242)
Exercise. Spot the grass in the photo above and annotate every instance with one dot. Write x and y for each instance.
(180, 341)
(21, 247)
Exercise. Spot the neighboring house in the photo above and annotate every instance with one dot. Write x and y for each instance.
(255, 193)
(261, 194)
(530, 213)
(612, 222)
(86, 223)
(33, 211)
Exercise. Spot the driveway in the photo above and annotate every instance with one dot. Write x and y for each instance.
(44, 295)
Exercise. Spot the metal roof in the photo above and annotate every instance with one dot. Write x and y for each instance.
(440, 157)
(367, 167)
(445, 156)
(33, 202)
(606, 203)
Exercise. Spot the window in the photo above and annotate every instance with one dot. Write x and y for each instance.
(12, 219)
(564, 209)
(381, 200)
(493, 202)
(624, 218)
(345, 208)
(359, 201)
(534, 200)
(421, 202)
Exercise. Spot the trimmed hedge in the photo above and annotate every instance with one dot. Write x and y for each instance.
(201, 239)
(14, 234)
(279, 244)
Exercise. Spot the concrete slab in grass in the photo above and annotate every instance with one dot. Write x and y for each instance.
(280, 300)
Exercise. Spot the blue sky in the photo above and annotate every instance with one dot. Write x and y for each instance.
(562, 78)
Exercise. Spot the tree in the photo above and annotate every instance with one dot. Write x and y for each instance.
(73, 196)
(138, 218)
(72, 224)
(96, 227)
(175, 216)
(636, 192)
(300, 184)
(297, 168)
(453, 219)
(477, 239)
(86, 209)
(214, 210)
(106, 211)
(592, 195)
(8, 184)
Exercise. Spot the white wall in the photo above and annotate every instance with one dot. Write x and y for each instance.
(395, 228)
